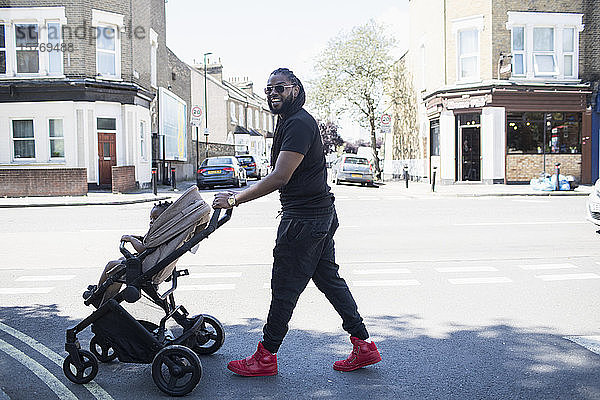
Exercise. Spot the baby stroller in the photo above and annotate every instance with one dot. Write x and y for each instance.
(176, 368)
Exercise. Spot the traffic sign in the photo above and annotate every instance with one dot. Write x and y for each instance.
(386, 119)
(196, 119)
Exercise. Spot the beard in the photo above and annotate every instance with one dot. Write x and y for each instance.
(286, 104)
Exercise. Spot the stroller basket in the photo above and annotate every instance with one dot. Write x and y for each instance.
(176, 368)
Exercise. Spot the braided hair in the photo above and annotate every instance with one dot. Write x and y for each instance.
(296, 106)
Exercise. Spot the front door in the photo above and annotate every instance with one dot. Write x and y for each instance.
(107, 156)
(470, 150)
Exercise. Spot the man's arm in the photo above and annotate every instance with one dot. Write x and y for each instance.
(286, 164)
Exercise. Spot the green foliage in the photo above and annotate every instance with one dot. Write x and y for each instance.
(351, 76)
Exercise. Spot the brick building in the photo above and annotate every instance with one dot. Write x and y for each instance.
(87, 86)
(505, 87)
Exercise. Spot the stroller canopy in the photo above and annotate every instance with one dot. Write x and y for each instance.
(185, 214)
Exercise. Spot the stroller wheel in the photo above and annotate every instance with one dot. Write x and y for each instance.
(176, 370)
(209, 338)
(87, 370)
(102, 350)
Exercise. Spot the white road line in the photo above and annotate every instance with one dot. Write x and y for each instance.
(466, 269)
(380, 271)
(50, 380)
(43, 278)
(467, 281)
(216, 286)
(568, 277)
(92, 387)
(592, 343)
(202, 275)
(32, 290)
(522, 223)
(547, 266)
(401, 282)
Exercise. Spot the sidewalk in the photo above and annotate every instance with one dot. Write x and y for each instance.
(166, 193)
(480, 190)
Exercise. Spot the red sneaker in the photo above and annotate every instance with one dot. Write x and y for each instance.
(261, 363)
(363, 354)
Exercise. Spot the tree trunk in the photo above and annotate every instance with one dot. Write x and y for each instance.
(374, 144)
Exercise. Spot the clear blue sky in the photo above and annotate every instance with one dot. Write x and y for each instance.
(252, 38)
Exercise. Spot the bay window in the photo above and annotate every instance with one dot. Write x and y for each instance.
(545, 45)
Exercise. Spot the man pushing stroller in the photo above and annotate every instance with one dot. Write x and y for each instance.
(304, 248)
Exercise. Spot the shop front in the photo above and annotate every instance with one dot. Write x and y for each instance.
(509, 133)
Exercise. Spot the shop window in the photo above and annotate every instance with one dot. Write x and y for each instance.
(23, 139)
(2, 49)
(434, 134)
(544, 133)
(57, 140)
(27, 44)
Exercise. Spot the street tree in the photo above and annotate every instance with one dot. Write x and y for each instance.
(351, 74)
(331, 138)
(403, 108)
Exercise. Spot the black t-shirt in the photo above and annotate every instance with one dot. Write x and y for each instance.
(307, 189)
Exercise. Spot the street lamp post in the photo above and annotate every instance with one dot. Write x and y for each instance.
(206, 105)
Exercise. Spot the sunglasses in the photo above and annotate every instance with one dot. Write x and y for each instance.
(278, 88)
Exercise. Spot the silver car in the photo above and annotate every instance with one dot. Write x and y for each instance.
(593, 205)
(352, 168)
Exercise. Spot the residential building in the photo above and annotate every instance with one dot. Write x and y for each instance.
(86, 89)
(503, 88)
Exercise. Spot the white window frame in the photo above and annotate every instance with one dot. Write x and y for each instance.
(545, 53)
(558, 21)
(61, 44)
(249, 119)
(257, 118)
(4, 50)
(232, 112)
(522, 52)
(571, 53)
(41, 16)
(55, 138)
(241, 117)
(104, 19)
(474, 22)
(153, 59)
(143, 150)
(12, 141)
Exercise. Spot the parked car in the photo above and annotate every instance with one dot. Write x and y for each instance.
(593, 205)
(352, 168)
(254, 168)
(223, 170)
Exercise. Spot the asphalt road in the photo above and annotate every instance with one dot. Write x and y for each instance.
(467, 298)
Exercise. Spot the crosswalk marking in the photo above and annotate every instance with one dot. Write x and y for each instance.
(466, 269)
(402, 282)
(216, 286)
(592, 343)
(43, 278)
(203, 275)
(33, 290)
(380, 271)
(547, 266)
(568, 277)
(467, 281)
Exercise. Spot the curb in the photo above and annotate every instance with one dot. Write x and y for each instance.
(548, 194)
(100, 203)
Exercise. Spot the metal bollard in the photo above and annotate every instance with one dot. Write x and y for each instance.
(406, 175)
(154, 183)
(173, 183)
(433, 179)
(557, 167)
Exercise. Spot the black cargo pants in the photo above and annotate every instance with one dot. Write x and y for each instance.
(304, 249)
